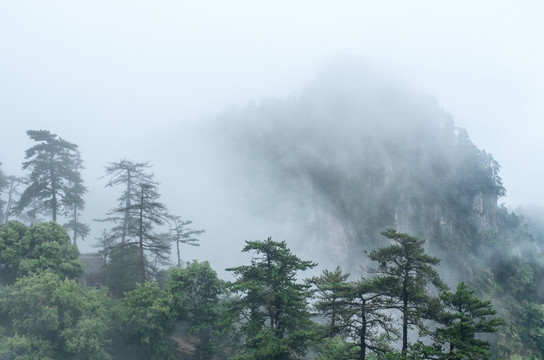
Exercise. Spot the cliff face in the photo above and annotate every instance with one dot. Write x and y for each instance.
(352, 155)
(355, 154)
(373, 155)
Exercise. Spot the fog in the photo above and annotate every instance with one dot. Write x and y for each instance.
(135, 79)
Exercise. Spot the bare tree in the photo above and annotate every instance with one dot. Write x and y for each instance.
(138, 214)
(180, 235)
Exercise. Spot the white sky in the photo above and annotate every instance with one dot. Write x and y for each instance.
(108, 74)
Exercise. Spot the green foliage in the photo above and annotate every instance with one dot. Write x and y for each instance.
(11, 249)
(146, 323)
(354, 312)
(405, 272)
(266, 345)
(336, 348)
(517, 286)
(273, 305)
(75, 203)
(197, 304)
(78, 229)
(129, 175)
(420, 351)
(52, 318)
(136, 217)
(522, 334)
(55, 179)
(466, 316)
(23, 347)
(121, 271)
(369, 323)
(14, 183)
(330, 291)
(30, 250)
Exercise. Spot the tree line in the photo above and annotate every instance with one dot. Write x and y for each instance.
(54, 188)
(401, 309)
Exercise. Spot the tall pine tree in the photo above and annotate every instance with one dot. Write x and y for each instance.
(405, 272)
(76, 204)
(52, 162)
(465, 317)
(180, 234)
(135, 219)
(273, 305)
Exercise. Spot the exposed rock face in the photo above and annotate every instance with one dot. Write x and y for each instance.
(369, 154)
(485, 208)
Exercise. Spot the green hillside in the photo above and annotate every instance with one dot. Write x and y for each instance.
(371, 154)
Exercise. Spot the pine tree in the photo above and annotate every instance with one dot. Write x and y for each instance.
(136, 217)
(54, 173)
(4, 182)
(14, 182)
(179, 234)
(129, 174)
(330, 293)
(465, 317)
(354, 312)
(198, 306)
(369, 324)
(76, 204)
(405, 271)
(273, 304)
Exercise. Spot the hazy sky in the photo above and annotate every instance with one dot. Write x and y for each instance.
(108, 74)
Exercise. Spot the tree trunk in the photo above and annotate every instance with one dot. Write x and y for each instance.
(363, 333)
(75, 225)
(141, 238)
(127, 208)
(405, 314)
(179, 256)
(53, 194)
(10, 201)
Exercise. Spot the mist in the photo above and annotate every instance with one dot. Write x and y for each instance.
(313, 123)
(156, 82)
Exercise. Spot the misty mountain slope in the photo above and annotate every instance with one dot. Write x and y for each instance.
(355, 153)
